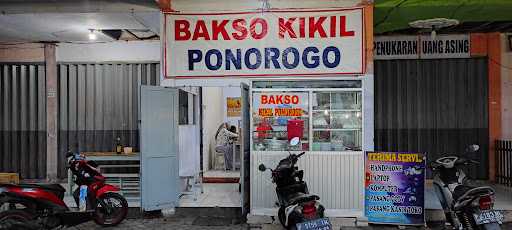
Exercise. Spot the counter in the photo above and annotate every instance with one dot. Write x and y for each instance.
(339, 194)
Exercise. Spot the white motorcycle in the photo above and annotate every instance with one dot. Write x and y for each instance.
(465, 207)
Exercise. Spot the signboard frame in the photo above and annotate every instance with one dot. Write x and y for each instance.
(395, 180)
(362, 64)
(444, 46)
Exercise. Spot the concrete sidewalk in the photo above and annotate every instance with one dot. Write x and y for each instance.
(193, 223)
(433, 212)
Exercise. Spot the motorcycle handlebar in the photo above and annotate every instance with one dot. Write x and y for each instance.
(69, 154)
(468, 161)
(462, 161)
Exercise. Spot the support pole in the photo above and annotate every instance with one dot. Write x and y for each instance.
(51, 112)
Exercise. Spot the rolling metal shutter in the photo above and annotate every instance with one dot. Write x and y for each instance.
(99, 102)
(434, 106)
(23, 119)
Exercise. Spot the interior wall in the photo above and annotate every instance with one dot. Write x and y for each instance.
(506, 87)
(213, 115)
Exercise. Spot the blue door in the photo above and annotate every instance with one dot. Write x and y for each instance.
(159, 147)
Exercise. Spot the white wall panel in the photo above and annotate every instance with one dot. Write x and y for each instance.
(133, 51)
(337, 177)
(506, 87)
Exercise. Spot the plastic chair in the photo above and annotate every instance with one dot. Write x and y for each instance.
(218, 154)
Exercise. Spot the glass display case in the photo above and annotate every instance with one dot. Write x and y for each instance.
(324, 119)
(337, 121)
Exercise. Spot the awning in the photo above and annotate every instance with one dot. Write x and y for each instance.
(395, 15)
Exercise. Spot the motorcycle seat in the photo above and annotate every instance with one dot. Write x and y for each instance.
(56, 189)
(463, 191)
(301, 198)
(300, 187)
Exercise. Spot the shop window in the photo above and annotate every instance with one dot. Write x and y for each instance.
(278, 117)
(187, 108)
(194, 109)
(337, 121)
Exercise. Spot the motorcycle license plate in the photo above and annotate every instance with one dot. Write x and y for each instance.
(317, 224)
(487, 217)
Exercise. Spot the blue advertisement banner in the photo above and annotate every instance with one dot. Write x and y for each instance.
(394, 188)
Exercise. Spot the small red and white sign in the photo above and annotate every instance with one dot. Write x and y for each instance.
(280, 104)
(270, 43)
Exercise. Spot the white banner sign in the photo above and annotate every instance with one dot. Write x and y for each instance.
(271, 43)
(422, 47)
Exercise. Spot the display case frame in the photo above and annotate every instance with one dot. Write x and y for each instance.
(311, 130)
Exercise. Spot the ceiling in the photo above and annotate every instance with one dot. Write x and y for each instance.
(75, 6)
(71, 21)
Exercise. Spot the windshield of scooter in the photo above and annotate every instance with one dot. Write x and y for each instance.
(448, 168)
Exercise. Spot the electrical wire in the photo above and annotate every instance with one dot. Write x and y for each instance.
(85, 43)
(13, 44)
(141, 21)
(458, 8)
(21, 48)
(500, 64)
(389, 13)
(57, 42)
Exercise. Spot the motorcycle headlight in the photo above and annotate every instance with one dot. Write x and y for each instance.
(2, 189)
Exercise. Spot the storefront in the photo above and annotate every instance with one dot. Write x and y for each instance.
(302, 71)
(437, 95)
(330, 117)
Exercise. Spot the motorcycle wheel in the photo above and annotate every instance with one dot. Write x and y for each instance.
(321, 211)
(15, 219)
(282, 219)
(114, 213)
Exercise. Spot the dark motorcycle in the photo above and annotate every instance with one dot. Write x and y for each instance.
(297, 208)
(465, 206)
(41, 206)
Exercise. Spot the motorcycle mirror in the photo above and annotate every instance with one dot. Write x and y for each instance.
(262, 167)
(472, 148)
(294, 141)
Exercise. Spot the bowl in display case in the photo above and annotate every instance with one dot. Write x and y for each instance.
(276, 145)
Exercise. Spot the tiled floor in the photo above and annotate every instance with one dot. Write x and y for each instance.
(215, 195)
(222, 174)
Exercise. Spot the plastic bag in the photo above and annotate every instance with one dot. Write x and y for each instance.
(82, 204)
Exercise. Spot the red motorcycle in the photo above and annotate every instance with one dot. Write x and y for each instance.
(41, 206)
